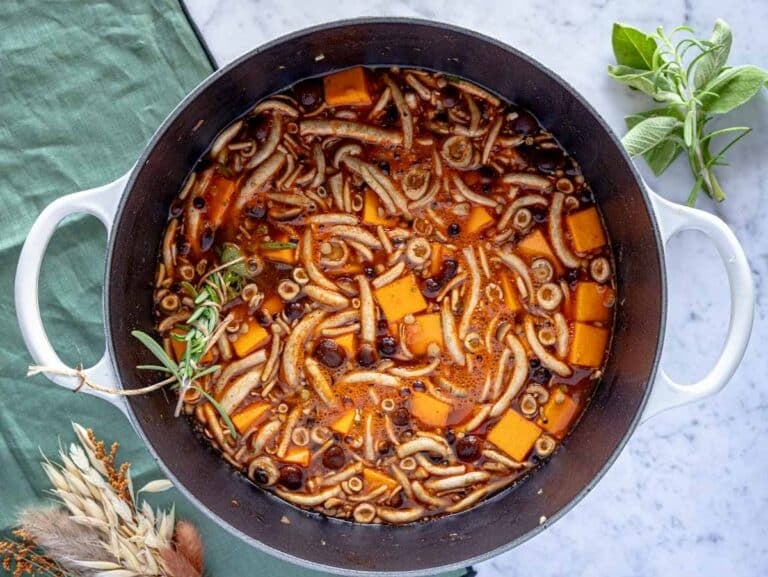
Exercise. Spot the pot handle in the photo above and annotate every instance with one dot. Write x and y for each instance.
(100, 202)
(674, 218)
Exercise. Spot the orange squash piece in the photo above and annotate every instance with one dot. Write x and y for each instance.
(255, 337)
(400, 297)
(478, 219)
(273, 304)
(592, 302)
(180, 347)
(586, 229)
(298, 456)
(429, 410)
(588, 345)
(246, 417)
(347, 342)
(535, 244)
(509, 290)
(283, 255)
(344, 423)
(436, 259)
(556, 418)
(347, 88)
(373, 478)
(426, 329)
(219, 193)
(514, 434)
(371, 207)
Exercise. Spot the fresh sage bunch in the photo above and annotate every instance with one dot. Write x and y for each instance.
(691, 80)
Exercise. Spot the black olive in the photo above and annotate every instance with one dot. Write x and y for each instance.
(432, 286)
(176, 210)
(182, 247)
(366, 356)
(384, 167)
(450, 436)
(525, 123)
(450, 96)
(387, 345)
(586, 197)
(263, 318)
(571, 276)
(369, 271)
(384, 447)
(206, 240)
(382, 326)
(294, 310)
(541, 375)
(486, 187)
(291, 477)
(260, 476)
(309, 94)
(534, 362)
(175, 287)
(453, 229)
(419, 386)
(260, 127)
(440, 116)
(548, 160)
(539, 213)
(401, 416)
(256, 211)
(486, 173)
(391, 116)
(330, 353)
(468, 448)
(448, 269)
(333, 458)
(405, 392)
(198, 202)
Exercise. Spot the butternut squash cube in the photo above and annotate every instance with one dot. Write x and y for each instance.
(514, 434)
(373, 478)
(273, 304)
(347, 342)
(535, 244)
(347, 88)
(219, 193)
(371, 207)
(344, 423)
(298, 456)
(509, 290)
(592, 302)
(255, 337)
(478, 219)
(246, 417)
(426, 329)
(586, 229)
(400, 298)
(283, 255)
(429, 410)
(588, 345)
(436, 259)
(556, 417)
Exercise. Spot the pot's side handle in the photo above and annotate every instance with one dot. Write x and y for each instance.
(674, 218)
(100, 202)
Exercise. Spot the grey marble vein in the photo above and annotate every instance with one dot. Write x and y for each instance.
(689, 495)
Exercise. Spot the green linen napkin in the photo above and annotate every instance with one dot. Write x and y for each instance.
(82, 87)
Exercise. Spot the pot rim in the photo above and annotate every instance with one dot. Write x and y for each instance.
(660, 253)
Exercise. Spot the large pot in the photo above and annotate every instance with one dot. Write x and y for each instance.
(134, 210)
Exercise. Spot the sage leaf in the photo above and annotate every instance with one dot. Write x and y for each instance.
(649, 133)
(732, 88)
(632, 47)
(711, 62)
(649, 82)
(663, 154)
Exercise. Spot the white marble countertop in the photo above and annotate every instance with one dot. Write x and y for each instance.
(689, 495)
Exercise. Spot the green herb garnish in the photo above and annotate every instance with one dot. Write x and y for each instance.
(200, 329)
(276, 245)
(692, 80)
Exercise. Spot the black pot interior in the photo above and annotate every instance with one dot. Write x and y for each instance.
(495, 524)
